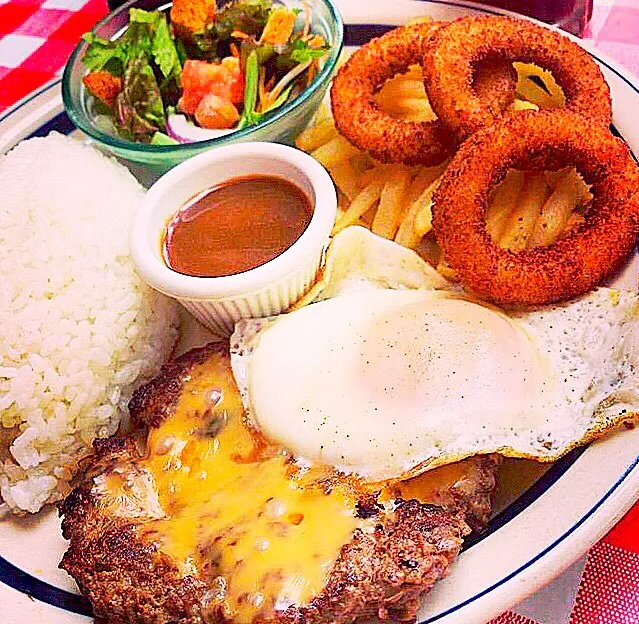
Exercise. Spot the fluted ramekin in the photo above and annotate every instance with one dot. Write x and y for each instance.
(268, 289)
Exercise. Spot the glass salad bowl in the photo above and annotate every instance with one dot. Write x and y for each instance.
(170, 147)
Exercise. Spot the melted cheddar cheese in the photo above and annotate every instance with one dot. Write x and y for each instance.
(238, 513)
(429, 486)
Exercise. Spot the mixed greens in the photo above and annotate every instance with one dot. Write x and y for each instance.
(204, 72)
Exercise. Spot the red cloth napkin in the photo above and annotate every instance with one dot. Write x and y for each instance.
(36, 38)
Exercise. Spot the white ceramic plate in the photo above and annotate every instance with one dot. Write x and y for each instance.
(528, 543)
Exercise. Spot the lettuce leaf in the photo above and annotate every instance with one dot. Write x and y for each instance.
(301, 52)
(247, 16)
(164, 51)
(159, 138)
(139, 36)
(141, 16)
(144, 55)
(140, 112)
(148, 35)
(102, 52)
(158, 44)
(297, 52)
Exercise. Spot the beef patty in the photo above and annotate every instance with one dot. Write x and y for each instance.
(203, 521)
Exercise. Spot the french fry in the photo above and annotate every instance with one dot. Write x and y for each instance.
(409, 109)
(424, 178)
(369, 215)
(518, 105)
(521, 222)
(342, 206)
(414, 73)
(557, 210)
(364, 200)
(530, 92)
(407, 234)
(376, 172)
(503, 202)
(527, 89)
(337, 150)
(582, 190)
(416, 114)
(361, 162)
(360, 222)
(346, 178)
(316, 135)
(389, 213)
(404, 96)
(323, 113)
(402, 87)
(424, 219)
(396, 104)
(553, 177)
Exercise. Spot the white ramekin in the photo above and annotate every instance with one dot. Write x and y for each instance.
(269, 289)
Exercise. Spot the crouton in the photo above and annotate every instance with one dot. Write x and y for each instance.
(191, 16)
(279, 26)
(104, 86)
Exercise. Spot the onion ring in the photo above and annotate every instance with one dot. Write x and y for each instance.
(580, 259)
(455, 49)
(386, 138)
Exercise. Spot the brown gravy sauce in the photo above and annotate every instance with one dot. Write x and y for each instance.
(236, 226)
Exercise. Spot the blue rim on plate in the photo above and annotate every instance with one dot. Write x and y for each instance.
(354, 35)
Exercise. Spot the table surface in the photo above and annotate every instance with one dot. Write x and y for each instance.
(36, 38)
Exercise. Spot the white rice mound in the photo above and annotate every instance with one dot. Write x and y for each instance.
(79, 330)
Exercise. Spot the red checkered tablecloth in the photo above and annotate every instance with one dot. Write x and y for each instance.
(36, 38)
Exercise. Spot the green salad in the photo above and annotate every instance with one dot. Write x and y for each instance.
(202, 70)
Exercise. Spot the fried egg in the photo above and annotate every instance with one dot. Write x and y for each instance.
(391, 378)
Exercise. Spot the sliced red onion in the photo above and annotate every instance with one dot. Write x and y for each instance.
(182, 130)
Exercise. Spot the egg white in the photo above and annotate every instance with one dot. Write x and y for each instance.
(387, 381)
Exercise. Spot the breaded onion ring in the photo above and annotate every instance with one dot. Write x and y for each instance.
(386, 138)
(454, 50)
(576, 262)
